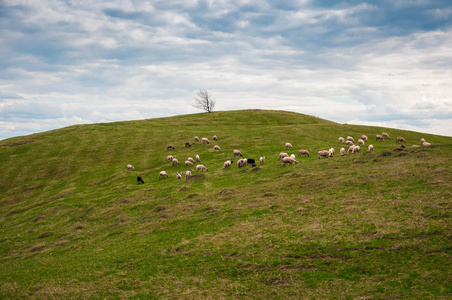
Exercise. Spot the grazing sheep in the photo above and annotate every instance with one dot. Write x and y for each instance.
(415, 146)
(205, 140)
(342, 151)
(293, 156)
(227, 164)
(289, 160)
(169, 147)
(364, 138)
(216, 147)
(423, 140)
(201, 168)
(197, 158)
(163, 174)
(175, 161)
(190, 159)
(262, 160)
(140, 180)
(196, 139)
(361, 142)
(188, 174)
(426, 144)
(331, 150)
(188, 163)
(169, 158)
(251, 161)
(349, 143)
(385, 135)
(325, 153)
(356, 149)
(341, 140)
(130, 167)
(303, 152)
(215, 138)
(380, 138)
(282, 155)
(178, 175)
(242, 162)
(237, 152)
(289, 146)
(187, 144)
(349, 138)
(350, 149)
(401, 140)
(370, 148)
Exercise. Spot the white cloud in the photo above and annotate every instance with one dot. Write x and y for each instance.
(116, 60)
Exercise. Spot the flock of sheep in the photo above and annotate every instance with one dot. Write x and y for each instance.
(283, 156)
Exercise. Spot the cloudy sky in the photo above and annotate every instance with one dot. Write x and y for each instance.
(385, 63)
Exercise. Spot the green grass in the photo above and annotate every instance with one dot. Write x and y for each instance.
(75, 224)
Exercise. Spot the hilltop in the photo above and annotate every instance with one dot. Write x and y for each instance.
(75, 223)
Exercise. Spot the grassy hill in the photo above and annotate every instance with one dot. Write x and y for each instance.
(74, 223)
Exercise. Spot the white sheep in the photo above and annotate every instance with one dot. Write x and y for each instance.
(227, 164)
(385, 135)
(341, 140)
(380, 138)
(196, 139)
(364, 137)
(215, 138)
(350, 149)
(426, 144)
(163, 174)
(342, 151)
(303, 152)
(242, 162)
(423, 140)
(197, 158)
(216, 147)
(262, 160)
(370, 148)
(289, 146)
(282, 155)
(401, 140)
(361, 142)
(237, 152)
(130, 167)
(349, 138)
(349, 143)
(325, 153)
(169, 158)
(201, 168)
(289, 160)
(356, 149)
(293, 156)
(190, 159)
(331, 150)
(188, 174)
(205, 140)
(415, 146)
(188, 163)
(175, 161)
(178, 175)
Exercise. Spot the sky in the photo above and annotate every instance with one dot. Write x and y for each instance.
(384, 63)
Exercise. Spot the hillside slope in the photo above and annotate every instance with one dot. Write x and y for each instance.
(75, 223)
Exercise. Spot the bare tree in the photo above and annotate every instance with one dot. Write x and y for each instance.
(204, 101)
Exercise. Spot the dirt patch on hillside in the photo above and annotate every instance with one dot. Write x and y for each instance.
(19, 143)
(227, 192)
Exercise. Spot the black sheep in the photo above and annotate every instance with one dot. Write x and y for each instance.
(187, 144)
(251, 161)
(170, 147)
(139, 180)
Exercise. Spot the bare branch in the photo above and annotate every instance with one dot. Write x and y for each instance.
(204, 101)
